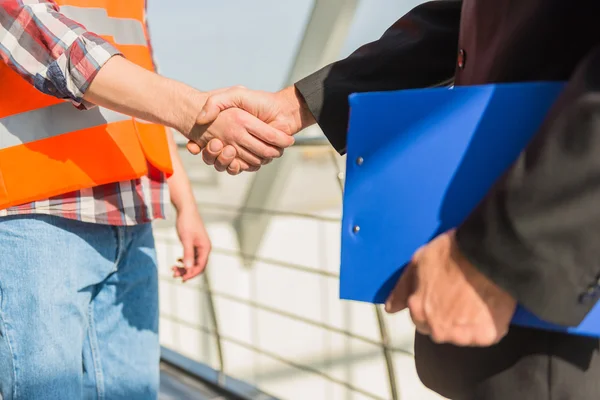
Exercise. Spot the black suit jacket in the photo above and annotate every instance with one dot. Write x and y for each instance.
(537, 233)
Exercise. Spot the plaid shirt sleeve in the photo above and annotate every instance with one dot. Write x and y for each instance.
(55, 54)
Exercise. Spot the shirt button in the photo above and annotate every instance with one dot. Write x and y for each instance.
(462, 58)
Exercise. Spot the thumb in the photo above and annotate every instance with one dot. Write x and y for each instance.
(398, 299)
(220, 101)
(209, 112)
(194, 148)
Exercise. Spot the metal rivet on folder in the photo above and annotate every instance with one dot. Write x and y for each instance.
(356, 229)
(360, 160)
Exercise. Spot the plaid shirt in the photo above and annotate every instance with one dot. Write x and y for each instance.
(59, 57)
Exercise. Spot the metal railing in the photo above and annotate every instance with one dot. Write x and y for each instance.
(210, 295)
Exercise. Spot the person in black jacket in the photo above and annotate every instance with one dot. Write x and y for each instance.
(534, 239)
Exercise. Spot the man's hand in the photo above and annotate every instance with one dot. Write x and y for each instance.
(195, 241)
(449, 299)
(284, 111)
(251, 140)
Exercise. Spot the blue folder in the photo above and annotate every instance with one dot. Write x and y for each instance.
(418, 163)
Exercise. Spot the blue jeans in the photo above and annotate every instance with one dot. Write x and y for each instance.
(78, 310)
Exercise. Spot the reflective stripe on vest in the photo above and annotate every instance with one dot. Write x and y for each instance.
(123, 30)
(52, 121)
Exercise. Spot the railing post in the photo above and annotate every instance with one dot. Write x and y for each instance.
(215, 324)
(383, 332)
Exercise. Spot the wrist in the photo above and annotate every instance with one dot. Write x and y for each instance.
(296, 108)
(187, 110)
(184, 204)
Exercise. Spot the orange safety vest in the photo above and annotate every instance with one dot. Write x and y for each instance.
(48, 147)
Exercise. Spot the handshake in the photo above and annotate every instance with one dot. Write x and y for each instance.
(240, 129)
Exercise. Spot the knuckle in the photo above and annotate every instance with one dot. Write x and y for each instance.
(415, 258)
(233, 168)
(211, 102)
(460, 339)
(253, 162)
(438, 337)
(271, 153)
(415, 306)
(491, 336)
(485, 337)
(223, 160)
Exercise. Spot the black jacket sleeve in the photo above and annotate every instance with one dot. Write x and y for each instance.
(537, 233)
(419, 50)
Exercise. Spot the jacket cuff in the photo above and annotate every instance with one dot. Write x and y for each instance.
(329, 107)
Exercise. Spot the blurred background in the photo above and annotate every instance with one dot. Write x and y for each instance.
(265, 321)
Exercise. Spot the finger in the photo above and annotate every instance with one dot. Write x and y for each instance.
(243, 166)
(485, 335)
(417, 315)
(249, 157)
(188, 254)
(222, 99)
(459, 336)
(422, 328)
(268, 161)
(178, 271)
(259, 148)
(212, 151)
(417, 254)
(194, 148)
(191, 273)
(235, 168)
(269, 135)
(224, 159)
(404, 288)
(201, 253)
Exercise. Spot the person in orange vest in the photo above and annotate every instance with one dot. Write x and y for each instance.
(85, 165)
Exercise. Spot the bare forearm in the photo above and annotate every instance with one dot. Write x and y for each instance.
(180, 188)
(123, 86)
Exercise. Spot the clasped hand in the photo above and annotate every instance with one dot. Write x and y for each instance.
(241, 130)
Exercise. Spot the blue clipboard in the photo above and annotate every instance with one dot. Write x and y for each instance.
(418, 162)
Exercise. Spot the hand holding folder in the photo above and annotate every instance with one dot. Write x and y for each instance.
(419, 161)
